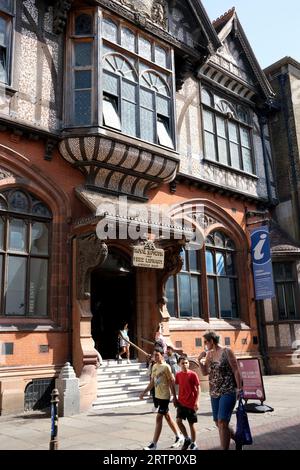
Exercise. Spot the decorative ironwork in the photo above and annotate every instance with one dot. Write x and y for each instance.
(38, 394)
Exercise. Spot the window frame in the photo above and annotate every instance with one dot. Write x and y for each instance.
(227, 118)
(191, 273)
(158, 63)
(215, 277)
(5, 253)
(149, 66)
(9, 16)
(284, 283)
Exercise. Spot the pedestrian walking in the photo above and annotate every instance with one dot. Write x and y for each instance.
(159, 341)
(188, 402)
(124, 346)
(225, 383)
(163, 381)
(172, 358)
(152, 391)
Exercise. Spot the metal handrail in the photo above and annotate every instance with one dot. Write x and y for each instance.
(150, 342)
(134, 345)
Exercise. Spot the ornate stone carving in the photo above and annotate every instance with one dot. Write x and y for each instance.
(184, 70)
(61, 8)
(91, 252)
(5, 174)
(173, 260)
(50, 146)
(153, 10)
(173, 265)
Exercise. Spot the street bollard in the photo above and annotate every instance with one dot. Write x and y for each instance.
(54, 420)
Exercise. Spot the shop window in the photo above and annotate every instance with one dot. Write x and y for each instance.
(25, 225)
(286, 291)
(221, 277)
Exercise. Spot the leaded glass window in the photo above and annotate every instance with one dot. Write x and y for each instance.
(286, 290)
(25, 225)
(221, 276)
(6, 30)
(84, 25)
(184, 291)
(141, 93)
(227, 133)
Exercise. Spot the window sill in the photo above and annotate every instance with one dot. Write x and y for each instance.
(27, 324)
(177, 324)
(230, 168)
(9, 90)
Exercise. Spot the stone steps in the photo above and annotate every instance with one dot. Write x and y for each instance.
(120, 384)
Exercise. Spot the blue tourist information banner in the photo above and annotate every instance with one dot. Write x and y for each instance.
(262, 264)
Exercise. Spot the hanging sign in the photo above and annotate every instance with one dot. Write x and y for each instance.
(148, 256)
(262, 264)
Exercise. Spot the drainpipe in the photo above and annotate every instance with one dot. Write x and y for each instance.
(70, 296)
(262, 335)
(262, 123)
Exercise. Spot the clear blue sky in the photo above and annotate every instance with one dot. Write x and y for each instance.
(272, 26)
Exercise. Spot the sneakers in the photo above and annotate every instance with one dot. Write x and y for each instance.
(179, 440)
(186, 444)
(193, 446)
(128, 361)
(151, 446)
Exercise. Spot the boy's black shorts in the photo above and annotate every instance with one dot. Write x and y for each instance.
(186, 413)
(163, 406)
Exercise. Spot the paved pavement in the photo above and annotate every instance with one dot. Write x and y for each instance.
(130, 428)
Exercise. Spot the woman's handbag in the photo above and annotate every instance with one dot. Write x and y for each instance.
(243, 435)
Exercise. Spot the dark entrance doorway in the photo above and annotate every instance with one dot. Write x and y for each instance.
(112, 303)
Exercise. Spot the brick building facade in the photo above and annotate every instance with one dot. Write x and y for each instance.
(146, 100)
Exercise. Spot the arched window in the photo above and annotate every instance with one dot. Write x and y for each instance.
(136, 82)
(221, 276)
(227, 133)
(183, 291)
(25, 225)
(155, 109)
(119, 94)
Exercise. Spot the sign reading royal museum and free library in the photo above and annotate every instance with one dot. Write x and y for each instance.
(262, 264)
(148, 256)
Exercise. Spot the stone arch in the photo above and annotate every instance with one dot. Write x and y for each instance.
(16, 171)
(211, 218)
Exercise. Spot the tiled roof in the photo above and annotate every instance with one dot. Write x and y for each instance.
(281, 242)
(222, 20)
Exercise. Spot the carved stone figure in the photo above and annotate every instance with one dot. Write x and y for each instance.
(154, 10)
(91, 252)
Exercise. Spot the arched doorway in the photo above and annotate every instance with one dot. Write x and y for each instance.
(112, 302)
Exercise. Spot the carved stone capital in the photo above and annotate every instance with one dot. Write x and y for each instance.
(60, 14)
(91, 252)
(50, 146)
(173, 260)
